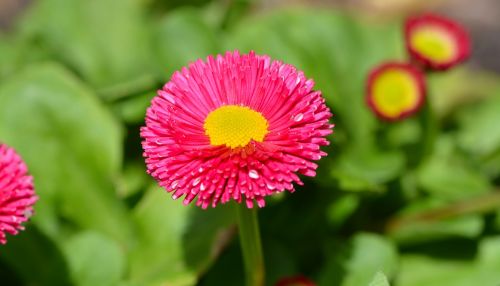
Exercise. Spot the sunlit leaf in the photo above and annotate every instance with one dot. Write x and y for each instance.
(342, 208)
(358, 262)
(106, 41)
(94, 259)
(428, 228)
(368, 169)
(450, 176)
(170, 250)
(434, 271)
(379, 280)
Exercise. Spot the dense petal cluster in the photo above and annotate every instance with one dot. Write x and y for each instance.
(272, 122)
(17, 195)
(395, 90)
(436, 42)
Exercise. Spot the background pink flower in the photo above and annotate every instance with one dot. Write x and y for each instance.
(395, 90)
(436, 42)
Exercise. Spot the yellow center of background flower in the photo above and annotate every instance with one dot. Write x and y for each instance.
(394, 92)
(234, 126)
(434, 43)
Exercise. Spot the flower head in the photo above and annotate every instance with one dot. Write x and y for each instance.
(16, 193)
(295, 281)
(395, 90)
(436, 42)
(234, 127)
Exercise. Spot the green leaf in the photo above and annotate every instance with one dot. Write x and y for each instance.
(367, 169)
(479, 133)
(342, 208)
(469, 226)
(379, 280)
(403, 133)
(182, 37)
(158, 257)
(448, 175)
(175, 242)
(15, 53)
(433, 271)
(459, 87)
(72, 146)
(358, 263)
(106, 41)
(425, 220)
(417, 270)
(489, 253)
(94, 259)
(424, 230)
(491, 165)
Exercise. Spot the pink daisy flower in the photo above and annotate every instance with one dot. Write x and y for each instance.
(16, 193)
(436, 42)
(234, 127)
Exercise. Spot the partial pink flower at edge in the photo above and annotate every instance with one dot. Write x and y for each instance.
(17, 195)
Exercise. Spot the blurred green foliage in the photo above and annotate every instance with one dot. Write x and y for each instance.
(77, 76)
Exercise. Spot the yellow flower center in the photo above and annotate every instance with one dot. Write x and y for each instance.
(434, 44)
(234, 126)
(394, 92)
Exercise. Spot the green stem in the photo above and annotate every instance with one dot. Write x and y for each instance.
(250, 245)
(424, 148)
(430, 130)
